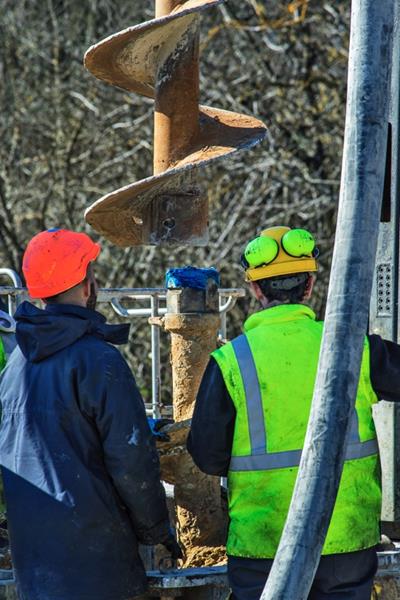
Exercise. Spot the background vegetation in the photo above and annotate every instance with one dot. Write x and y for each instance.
(67, 139)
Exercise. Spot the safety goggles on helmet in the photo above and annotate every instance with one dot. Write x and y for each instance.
(279, 251)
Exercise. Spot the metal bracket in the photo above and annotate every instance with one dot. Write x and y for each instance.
(174, 215)
(384, 290)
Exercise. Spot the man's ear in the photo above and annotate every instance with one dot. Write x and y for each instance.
(309, 288)
(86, 287)
(256, 290)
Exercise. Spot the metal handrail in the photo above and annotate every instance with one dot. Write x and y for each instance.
(113, 296)
(232, 294)
(139, 312)
(155, 295)
(13, 275)
(105, 294)
(17, 283)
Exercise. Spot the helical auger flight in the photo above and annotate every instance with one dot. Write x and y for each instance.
(160, 59)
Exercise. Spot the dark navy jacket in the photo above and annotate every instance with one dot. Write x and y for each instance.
(80, 468)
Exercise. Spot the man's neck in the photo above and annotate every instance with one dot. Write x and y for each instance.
(74, 302)
(273, 303)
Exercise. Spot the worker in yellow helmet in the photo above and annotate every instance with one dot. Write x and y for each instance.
(251, 417)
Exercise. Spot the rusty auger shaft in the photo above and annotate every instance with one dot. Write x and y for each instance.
(176, 129)
(176, 109)
(160, 59)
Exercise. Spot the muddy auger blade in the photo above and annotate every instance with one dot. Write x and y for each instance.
(160, 59)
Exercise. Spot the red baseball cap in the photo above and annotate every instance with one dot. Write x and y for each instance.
(56, 260)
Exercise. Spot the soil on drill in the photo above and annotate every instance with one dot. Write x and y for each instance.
(206, 557)
(201, 518)
(386, 588)
(193, 338)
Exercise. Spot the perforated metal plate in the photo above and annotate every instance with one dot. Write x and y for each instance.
(384, 290)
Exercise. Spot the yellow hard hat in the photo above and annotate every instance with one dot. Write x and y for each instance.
(279, 251)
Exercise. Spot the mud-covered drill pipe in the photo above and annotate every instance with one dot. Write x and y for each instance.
(193, 321)
(176, 106)
(346, 319)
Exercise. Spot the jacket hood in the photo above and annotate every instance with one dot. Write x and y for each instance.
(279, 314)
(41, 333)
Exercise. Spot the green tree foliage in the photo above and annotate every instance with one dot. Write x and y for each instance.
(67, 139)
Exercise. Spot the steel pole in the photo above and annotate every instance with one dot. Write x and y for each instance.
(348, 300)
(155, 360)
(165, 7)
(193, 321)
(13, 301)
(176, 111)
(183, 206)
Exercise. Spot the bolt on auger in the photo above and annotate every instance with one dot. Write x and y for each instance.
(160, 59)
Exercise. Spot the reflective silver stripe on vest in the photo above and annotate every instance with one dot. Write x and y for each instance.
(265, 462)
(291, 458)
(260, 459)
(354, 436)
(361, 449)
(255, 413)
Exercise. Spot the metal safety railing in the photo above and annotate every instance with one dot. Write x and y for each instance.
(16, 293)
(12, 299)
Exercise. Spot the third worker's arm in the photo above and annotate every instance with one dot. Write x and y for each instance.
(213, 422)
(385, 368)
(130, 456)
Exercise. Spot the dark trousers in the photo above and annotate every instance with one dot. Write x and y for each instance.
(338, 577)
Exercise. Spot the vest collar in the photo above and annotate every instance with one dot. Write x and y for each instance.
(279, 314)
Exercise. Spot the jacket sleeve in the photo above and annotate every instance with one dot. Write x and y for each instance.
(385, 368)
(112, 400)
(211, 435)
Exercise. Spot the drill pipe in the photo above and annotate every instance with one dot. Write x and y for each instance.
(201, 522)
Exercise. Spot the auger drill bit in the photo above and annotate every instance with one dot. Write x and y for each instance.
(160, 59)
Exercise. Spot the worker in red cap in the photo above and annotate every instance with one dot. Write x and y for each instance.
(81, 473)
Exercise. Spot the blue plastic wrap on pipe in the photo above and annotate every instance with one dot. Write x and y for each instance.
(190, 277)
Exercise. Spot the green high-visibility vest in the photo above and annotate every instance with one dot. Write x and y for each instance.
(270, 373)
(3, 357)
